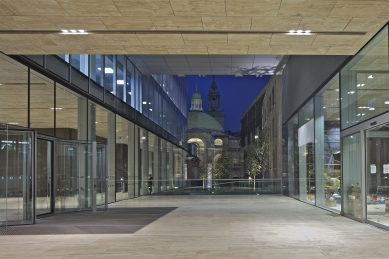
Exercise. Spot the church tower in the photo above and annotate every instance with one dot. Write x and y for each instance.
(196, 101)
(214, 103)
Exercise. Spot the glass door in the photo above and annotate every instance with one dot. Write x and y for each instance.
(16, 176)
(66, 177)
(377, 174)
(44, 171)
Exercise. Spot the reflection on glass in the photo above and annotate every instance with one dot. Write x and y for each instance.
(352, 175)
(365, 82)
(109, 77)
(80, 61)
(377, 174)
(120, 82)
(15, 177)
(306, 145)
(96, 64)
(69, 108)
(14, 94)
(42, 104)
(121, 159)
(327, 148)
(43, 176)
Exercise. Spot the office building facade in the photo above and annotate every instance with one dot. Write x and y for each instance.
(54, 107)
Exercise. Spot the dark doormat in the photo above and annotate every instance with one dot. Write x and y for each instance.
(112, 221)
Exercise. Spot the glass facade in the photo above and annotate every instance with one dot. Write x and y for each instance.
(93, 98)
(335, 146)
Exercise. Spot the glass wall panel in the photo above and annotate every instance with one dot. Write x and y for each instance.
(16, 198)
(327, 146)
(109, 75)
(70, 114)
(352, 175)
(365, 82)
(130, 83)
(120, 80)
(13, 93)
(41, 104)
(44, 170)
(291, 157)
(144, 159)
(122, 159)
(96, 63)
(306, 153)
(377, 174)
(81, 62)
(101, 128)
(133, 144)
(137, 99)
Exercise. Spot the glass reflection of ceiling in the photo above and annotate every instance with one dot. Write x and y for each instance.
(331, 102)
(376, 58)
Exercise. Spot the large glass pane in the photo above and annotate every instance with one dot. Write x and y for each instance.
(70, 114)
(130, 82)
(327, 146)
(352, 176)
(44, 170)
(15, 177)
(364, 82)
(291, 158)
(13, 93)
(96, 73)
(80, 62)
(41, 104)
(306, 153)
(377, 174)
(120, 80)
(101, 128)
(121, 159)
(109, 75)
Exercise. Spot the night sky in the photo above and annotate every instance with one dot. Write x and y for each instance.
(236, 94)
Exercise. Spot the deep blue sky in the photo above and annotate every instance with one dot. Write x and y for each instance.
(236, 94)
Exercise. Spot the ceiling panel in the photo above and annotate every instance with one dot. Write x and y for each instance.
(192, 27)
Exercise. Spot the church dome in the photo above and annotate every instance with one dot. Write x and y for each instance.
(202, 120)
(196, 96)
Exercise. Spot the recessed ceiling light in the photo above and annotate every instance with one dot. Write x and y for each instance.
(386, 102)
(324, 107)
(58, 108)
(13, 123)
(299, 31)
(358, 85)
(129, 92)
(108, 70)
(372, 109)
(82, 31)
(371, 76)
(307, 31)
(291, 31)
(362, 84)
(337, 90)
(144, 103)
(120, 82)
(73, 31)
(65, 31)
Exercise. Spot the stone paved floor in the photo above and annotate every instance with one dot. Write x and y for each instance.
(218, 227)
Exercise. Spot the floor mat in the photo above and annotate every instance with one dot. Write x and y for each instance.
(112, 221)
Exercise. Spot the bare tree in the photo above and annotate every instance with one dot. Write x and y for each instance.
(257, 158)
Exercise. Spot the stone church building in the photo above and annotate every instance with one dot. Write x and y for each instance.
(207, 138)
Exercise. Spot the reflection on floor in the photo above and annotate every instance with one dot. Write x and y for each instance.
(228, 227)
